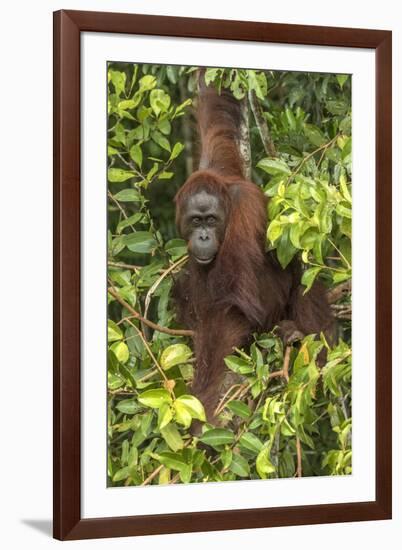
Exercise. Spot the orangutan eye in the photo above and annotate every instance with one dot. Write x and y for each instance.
(196, 221)
(211, 220)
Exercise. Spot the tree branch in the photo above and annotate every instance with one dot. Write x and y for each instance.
(307, 157)
(154, 326)
(122, 265)
(261, 124)
(299, 471)
(244, 143)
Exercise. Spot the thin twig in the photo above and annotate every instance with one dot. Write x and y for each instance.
(154, 326)
(121, 392)
(236, 394)
(340, 253)
(159, 468)
(159, 280)
(152, 475)
(307, 157)
(174, 479)
(286, 361)
(152, 356)
(122, 265)
(226, 394)
(119, 206)
(299, 471)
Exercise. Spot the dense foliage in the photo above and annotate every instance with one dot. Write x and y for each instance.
(283, 415)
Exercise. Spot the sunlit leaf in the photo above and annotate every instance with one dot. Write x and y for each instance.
(155, 398)
(113, 331)
(175, 355)
(117, 175)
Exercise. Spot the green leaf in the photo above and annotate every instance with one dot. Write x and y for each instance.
(121, 474)
(160, 140)
(337, 106)
(285, 249)
(120, 350)
(172, 73)
(180, 108)
(275, 230)
(239, 466)
(346, 227)
(251, 442)
(114, 381)
(155, 398)
(177, 149)
(296, 231)
(344, 189)
(344, 210)
(176, 248)
(182, 414)
(131, 220)
(217, 436)
(290, 119)
(142, 114)
(118, 79)
(120, 134)
(164, 126)
(340, 277)
(128, 406)
(341, 78)
(274, 166)
(153, 171)
(239, 408)
(172, 436)
(263, 464)
(159, 101)
(314, 135)
(117, 175)
(124, 451)
(132, 457)
(211, 74)
(128, 195)
(165, 175)
(193, 405)
(136, 154)
(226, 457)
(113, 331)
(147, 82)
(141, 242)
(165, 415)
(172, 460)
(237, 364)
(258, 83)
(175, 355)
(127, 104)
(287, 429)
(309, 276)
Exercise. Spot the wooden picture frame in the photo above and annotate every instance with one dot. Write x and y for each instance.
(68, 26)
